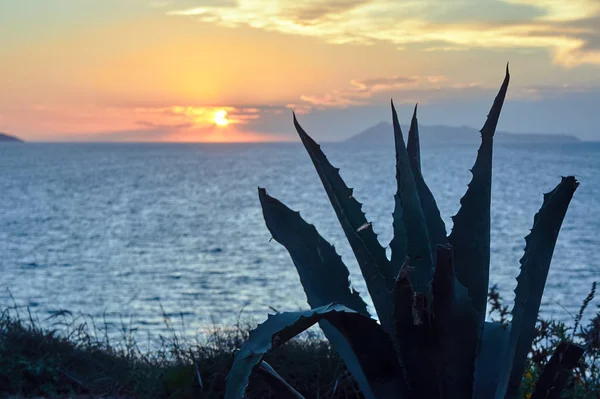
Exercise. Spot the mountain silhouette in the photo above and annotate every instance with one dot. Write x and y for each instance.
(8, 138)
(383, 133)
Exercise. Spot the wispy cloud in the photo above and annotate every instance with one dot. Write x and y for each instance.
(563, 28)
(549, 92)
(362, 92)
(558, 10)
(204, 116)
(163, 126)
(159, 123)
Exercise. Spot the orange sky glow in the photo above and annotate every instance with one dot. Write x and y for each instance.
(233, 71)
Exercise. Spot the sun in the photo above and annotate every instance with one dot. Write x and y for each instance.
(220, 118)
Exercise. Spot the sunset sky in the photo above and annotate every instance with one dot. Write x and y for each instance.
(233, 70)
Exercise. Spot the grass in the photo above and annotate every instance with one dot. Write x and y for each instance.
(79, 359)
(71, 357)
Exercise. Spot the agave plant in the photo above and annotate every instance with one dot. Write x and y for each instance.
(431, 339)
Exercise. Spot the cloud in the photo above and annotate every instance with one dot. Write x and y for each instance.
(566, 29)
(542, 109)
(133, 135)
(362, 92)
(558, 10)
(310, 12)
(534, 108)
(164, 127)
(80, 122)
(549, 92)
(425, 90)
(204, 116)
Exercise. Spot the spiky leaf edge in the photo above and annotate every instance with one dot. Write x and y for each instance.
(414, 227)
(323, 275)
(371, 257)
(433, 219)
(535, 264)
(470, 236)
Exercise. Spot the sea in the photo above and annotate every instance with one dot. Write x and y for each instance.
(156, 237)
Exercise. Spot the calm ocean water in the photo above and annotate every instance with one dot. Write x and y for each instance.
(118, 231)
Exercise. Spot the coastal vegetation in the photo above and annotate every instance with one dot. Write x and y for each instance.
(71, 356)
(441, 332)
(431, 339)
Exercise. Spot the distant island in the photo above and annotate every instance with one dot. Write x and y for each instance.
(8, 138)
(383, 133)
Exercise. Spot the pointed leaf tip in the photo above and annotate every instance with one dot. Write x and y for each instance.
(369, 253)
(393, 107)
(435, 225)
(304, 137)
(489, 128)
(410, 230)
(397, 127)
(470, 235)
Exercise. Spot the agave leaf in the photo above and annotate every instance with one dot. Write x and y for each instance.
(413, 144)
(414, 338)
(399, 240)
(398, 243)
(409, 222)
(438, 351)
(535, 265)
(370, 255)
(470, 235)
(454, 323)
(275, 381)
(556, 373)
(488, 366)
(364, 336)
(435, 225)
(322, 273)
